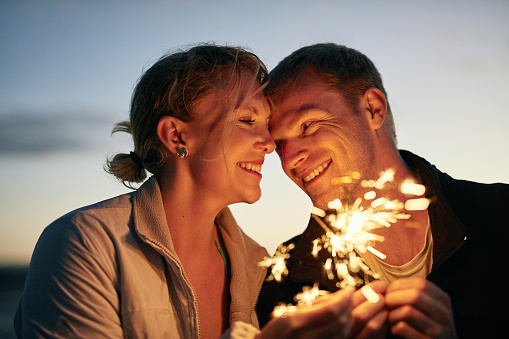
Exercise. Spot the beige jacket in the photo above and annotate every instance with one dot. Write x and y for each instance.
(110, 270)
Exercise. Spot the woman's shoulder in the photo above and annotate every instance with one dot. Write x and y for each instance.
(110, 209)
(92, 221)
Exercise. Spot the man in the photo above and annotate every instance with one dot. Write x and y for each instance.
(330, 118)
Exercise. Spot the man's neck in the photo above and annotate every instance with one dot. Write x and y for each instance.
(403, 239)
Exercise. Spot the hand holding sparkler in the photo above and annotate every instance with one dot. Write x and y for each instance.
(347, 232)
(369, 312)
(419, 308)
(326, 317)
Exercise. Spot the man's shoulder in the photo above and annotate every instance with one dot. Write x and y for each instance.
(293, 240)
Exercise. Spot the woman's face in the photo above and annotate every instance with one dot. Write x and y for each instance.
(227, 149)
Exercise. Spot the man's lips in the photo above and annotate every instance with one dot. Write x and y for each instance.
(313, 174)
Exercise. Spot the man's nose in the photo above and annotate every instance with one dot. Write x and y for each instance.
(293, 154)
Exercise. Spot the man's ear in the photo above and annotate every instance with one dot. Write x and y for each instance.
(377, 107)
(169, 131)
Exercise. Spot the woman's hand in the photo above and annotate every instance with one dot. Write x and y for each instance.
(329, 317)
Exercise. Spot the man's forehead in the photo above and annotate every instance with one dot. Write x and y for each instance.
(309, 94)
(298, 102)
(282, 122)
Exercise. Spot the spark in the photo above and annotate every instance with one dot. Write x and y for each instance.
(349, 228)
(304, 298)
(416, 204)
(349, 232)
(409, 187)
(308, 295)
(277, 262)
(370, 295)
(376, 252)
(316, 247)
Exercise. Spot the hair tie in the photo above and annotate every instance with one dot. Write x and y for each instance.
(136, 159)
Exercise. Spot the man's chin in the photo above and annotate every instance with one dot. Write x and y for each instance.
(322, 200)
(321, 203)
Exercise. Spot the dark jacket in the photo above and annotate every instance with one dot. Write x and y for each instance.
(469, 223)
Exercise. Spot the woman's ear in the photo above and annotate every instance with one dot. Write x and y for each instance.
(377, 107)
(169, 131)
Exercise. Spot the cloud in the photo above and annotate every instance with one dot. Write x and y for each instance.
(29, 133)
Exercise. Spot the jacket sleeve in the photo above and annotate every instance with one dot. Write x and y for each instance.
(70, 289)
(240, 330)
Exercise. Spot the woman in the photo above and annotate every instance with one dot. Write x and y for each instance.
(168, 260)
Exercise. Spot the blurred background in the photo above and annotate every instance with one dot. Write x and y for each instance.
(68, 68)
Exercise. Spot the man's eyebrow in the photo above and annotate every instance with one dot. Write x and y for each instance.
(310, 107)
(303, 110)
(298, 118)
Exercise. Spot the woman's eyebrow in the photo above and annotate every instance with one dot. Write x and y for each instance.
(251, 109)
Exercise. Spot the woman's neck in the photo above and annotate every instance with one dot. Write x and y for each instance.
(190, 218)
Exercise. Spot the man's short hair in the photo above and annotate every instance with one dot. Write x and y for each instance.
(346, 70)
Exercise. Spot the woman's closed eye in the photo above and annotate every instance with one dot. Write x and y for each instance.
(248, 121)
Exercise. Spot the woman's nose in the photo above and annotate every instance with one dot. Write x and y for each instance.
(266, 143)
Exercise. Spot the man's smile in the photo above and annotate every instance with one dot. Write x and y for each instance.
(316, 172)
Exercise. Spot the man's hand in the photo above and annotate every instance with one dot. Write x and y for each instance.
(419, 309)
(370, 318)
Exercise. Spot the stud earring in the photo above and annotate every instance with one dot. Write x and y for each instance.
(182, 152)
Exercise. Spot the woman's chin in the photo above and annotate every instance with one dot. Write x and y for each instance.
(251, 199)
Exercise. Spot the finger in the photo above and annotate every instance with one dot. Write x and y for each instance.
(403, 330)
(296, 325)
(418, 299)
(375, 328)
(338, 328)
(330, 317)
(420, 284)
(365, 312)
(415, 319)
(378, 286)
(331, 306)
(328, 296)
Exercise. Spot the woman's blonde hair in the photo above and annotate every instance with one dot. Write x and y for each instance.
(171, 87)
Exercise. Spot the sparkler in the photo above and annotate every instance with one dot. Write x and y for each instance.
(277, 262)
(304, 298)
(348, 230)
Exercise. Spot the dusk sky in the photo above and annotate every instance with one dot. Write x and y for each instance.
(68, 69)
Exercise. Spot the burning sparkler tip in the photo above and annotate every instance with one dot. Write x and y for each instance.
(370, 294)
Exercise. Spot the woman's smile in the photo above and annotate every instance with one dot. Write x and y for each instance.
(253, 167)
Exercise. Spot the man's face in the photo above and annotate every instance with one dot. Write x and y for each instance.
(319, 137)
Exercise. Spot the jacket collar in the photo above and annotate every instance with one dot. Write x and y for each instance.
(244, 253)
(150, 220)
(448, 231)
